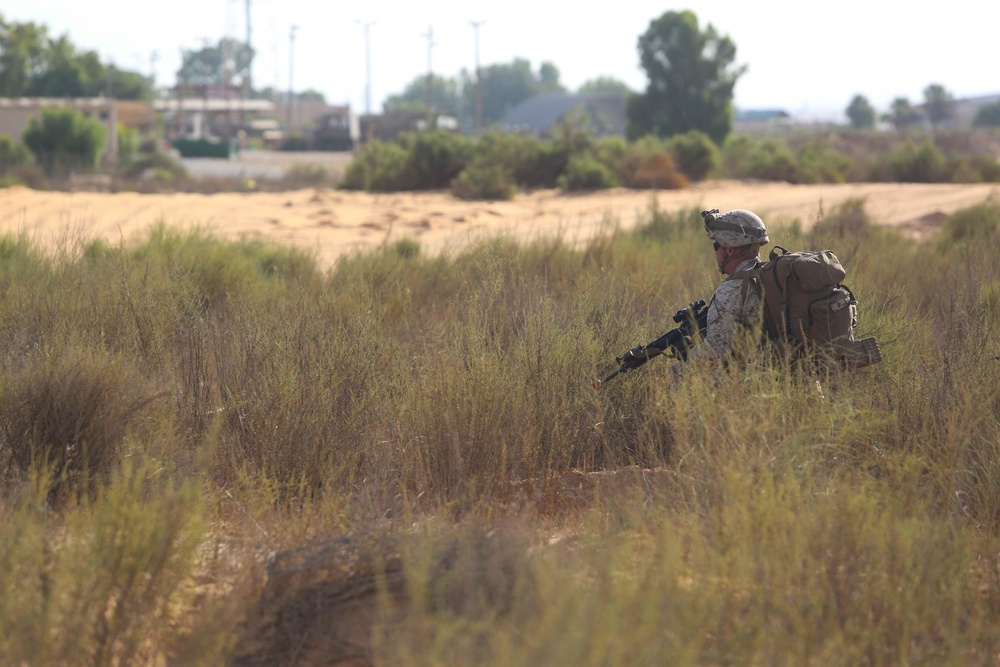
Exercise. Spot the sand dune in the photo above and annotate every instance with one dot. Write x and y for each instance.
(332, 222)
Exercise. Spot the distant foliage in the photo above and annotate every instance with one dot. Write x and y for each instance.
(35, 64)
(695, 153)
(584, 172)
(988, 116)
(497, 164)
(861, 113)
(64, 140)
(918, 164)
(861, 157)
(483, 181)
(938, 103)
(691, 76)
(12, 154)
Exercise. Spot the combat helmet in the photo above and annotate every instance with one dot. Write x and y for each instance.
(735, 228)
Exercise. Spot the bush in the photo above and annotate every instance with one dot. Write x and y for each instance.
(772, 160)
(913, 164)
(584, 172)
(434, 158)
(307, 174)
(12, 154)
(483, 181)
(68, 415)
(818, 162)
(695, 154)
(160, 165)
(380, 167)
(977, 223)
(63, 140)
(987, 116)
(658, 171)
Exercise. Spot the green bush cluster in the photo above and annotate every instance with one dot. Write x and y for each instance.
(858, 157)
(498, 164)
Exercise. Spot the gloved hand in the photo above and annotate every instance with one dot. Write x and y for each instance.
(637, 353)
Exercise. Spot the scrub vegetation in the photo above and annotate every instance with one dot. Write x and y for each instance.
(217, 453)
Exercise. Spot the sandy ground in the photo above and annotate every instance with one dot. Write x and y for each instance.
(331, 222)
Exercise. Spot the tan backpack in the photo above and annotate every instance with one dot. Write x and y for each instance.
(807, 308)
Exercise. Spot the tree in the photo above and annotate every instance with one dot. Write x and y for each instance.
(903, 115)
(548, 79)
(437, 92)
(987, 116)
(33, 64)
(64, 139)
(312, 95)
(937, 102)
(691, 79)
(604, 84)
(505, 86)
(225, 64)
(861, 113)
(22, 52)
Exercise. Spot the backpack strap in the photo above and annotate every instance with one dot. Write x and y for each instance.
(750, 277)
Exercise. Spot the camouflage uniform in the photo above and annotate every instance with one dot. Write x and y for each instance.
(727, 312)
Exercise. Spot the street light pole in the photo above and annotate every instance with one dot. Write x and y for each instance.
(479, 80)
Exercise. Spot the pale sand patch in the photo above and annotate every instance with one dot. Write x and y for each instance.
(331, 222)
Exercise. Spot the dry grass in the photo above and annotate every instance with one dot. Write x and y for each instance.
(415, 442)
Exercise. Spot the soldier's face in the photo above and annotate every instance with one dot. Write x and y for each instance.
(721, 257)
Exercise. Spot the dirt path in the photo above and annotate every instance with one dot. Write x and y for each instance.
(331, 222)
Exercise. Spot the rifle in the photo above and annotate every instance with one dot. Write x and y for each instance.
(678, 341)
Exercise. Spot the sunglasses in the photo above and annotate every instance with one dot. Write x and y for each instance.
(715, 244)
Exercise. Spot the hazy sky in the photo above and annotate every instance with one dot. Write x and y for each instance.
(808, 58)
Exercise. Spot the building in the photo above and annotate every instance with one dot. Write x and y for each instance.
(964, 110)
(210, 118)
(761, 120)
(539, 115)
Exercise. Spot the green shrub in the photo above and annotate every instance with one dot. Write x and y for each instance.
(695, 154)
(483, 181)
(987, 116)
(917, 164)
(772, 160)
(161, 165)
(818, 162)
(12, 154)
(979, 224)
(433, 159)
(380, 167)
(63, 140)
(584, 172)
(128, 144)
(307, 174)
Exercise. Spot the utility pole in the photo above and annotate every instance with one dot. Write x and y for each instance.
(291, 71)
(479, 81)
(246, 86)
(430, 75)
(368, 65)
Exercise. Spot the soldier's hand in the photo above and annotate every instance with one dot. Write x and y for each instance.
(637, 353)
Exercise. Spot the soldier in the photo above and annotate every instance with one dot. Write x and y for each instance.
(737, 237)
